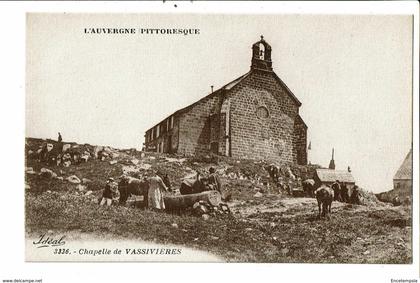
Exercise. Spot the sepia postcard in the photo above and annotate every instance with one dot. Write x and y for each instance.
(257, 138)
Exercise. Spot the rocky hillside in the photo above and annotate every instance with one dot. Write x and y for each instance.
(266, 224)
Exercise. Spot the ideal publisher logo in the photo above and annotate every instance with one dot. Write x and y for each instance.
(49, 241)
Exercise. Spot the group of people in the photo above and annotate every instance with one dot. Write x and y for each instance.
(153, 188)
(342, 193)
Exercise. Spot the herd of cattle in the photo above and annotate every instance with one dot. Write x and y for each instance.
(325, 194)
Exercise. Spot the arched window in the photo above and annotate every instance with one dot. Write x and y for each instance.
(262, 51)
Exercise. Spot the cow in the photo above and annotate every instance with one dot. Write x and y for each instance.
(129, 186)
(309, 187)
(324, 196)
(194, 185)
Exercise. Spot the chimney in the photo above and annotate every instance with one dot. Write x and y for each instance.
(211, 89)
(348, 169)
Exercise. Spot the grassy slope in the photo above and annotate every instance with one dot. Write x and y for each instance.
(354, 234)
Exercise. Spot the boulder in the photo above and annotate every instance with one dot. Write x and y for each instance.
(86, 181)
(73, 179)
(50, 146)
(112, 162)
(67, 163)
(145, 166)
(66, 147)
(85, 157)
(80, 188)
(114, 155)
(205, 216)
(258, 195)
(47, 173)
(97, 149)
(29, 170)
(88, 193)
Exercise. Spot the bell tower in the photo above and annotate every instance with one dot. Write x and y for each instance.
(261, 56)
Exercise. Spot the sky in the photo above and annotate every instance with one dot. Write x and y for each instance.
(353, 75)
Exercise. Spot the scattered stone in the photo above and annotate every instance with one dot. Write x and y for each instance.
(86, 181)
(48, 191)
(60, 178)
(214, 238)
(142, 155)
(366, 252)
(135, 161)
(331, 256)
(272, 224)
(47, 173)
(50, 146)
(112, 162)
(88, 193)
(73, 179)
(248, 229)
(205, 216)
(66, 147)
(195, 239)
(85, 157)
(284, 251)
(152, 158)
(275, 238)
(29, 170)
(258, 195)
(145, 166)
(114, 155)
(174, 225)
(81, 188)
(67, 163)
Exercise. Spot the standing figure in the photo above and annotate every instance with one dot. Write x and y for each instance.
(337, 190)
(214, 180)
(155, 195)
(60, 143)
(108, 193)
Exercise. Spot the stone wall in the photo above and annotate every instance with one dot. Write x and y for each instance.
(271, 136)
(194, 126)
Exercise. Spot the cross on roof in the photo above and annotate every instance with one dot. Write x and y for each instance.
(262, 37)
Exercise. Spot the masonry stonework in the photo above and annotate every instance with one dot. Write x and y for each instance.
(255, 117)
